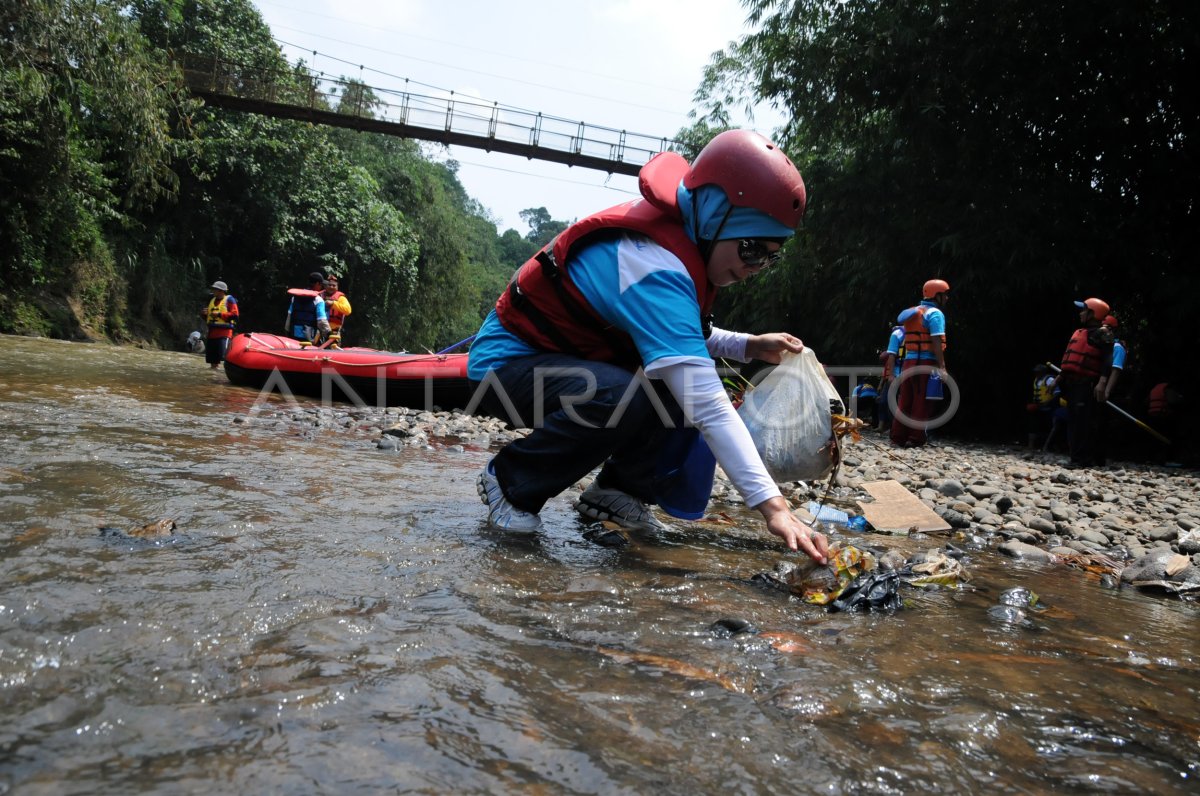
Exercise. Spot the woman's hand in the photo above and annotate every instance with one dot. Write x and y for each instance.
(768, 347)
(797, 535)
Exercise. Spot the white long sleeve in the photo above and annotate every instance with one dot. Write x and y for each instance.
(697, 389)
(724, 343)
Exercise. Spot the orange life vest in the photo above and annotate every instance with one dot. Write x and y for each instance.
(916, 333)
(1083, 359)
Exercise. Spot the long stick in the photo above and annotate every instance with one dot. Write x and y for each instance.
(448, 349)
(1118, 409)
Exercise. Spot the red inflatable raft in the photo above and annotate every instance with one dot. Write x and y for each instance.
(359, 375)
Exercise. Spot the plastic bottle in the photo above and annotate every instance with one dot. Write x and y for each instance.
(828, 515)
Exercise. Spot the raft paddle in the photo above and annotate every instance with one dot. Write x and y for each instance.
(456, 345)
(1121, 411)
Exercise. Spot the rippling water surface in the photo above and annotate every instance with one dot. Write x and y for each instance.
(331, 617)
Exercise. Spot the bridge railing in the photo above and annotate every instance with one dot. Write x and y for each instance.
(448, 113)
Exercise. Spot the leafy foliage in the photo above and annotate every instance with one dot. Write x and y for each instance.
(84, 144)
(1026, 153)
(121, 198)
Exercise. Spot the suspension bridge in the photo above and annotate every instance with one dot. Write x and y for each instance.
(304, 95)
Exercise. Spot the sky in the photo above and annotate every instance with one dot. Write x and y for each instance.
(625, 64)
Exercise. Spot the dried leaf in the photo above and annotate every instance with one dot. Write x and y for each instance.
(1178, 563)
(164, 527)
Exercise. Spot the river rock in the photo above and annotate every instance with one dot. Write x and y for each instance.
(1040, 524)
(951, 488)
(983, 492)
(1152, 566)
(1095, 537)
(1163, 533)
(954, 519)
(1025, 551)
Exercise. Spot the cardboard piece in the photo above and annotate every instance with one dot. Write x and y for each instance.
(896, 510)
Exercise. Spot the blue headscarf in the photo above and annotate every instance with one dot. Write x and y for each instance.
(704, 209)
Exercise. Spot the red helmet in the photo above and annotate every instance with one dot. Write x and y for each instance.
(752, 172)
(1110, 321)
(1099, 307)
(933, 287)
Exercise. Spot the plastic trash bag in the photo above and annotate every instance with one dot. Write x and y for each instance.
(789, 416)
(870, 591)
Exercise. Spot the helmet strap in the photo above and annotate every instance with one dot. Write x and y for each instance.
(706, 245)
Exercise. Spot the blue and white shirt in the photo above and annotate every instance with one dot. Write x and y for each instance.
(1118, 355)
(646, 291)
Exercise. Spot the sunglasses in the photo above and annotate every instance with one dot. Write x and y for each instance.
(754, 254)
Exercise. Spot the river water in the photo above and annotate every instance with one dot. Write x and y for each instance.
(330, 617)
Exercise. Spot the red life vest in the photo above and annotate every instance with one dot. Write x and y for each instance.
(544, 307)
(336, 316)
(1082, 359)
(1158, 400)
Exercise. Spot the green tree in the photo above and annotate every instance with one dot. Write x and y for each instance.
(84, 145)
(1028, 153)
(542, 228)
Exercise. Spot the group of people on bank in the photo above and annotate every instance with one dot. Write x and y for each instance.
(1067, 398)
(1091, 367)
(1073, 395)
(315, 316)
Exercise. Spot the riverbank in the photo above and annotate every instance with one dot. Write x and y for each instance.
(1128, 523)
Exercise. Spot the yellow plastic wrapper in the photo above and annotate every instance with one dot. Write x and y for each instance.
(822, 584)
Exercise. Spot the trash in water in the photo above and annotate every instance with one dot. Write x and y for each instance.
(854, 579)
(821, 584)
(1019, 596)
(828, 515)
(870, 591)
(1095, 563)
(1009, 614)
(151, 530)
(934, 568)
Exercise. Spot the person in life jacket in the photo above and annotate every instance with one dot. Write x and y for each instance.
(337, 307)
(1117, 364)
(603, 336)
(924, 347)
(1165, 405)
(307, 320)
(1084, 380)
(1042, 404)
(865, 401)
(221, 316)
